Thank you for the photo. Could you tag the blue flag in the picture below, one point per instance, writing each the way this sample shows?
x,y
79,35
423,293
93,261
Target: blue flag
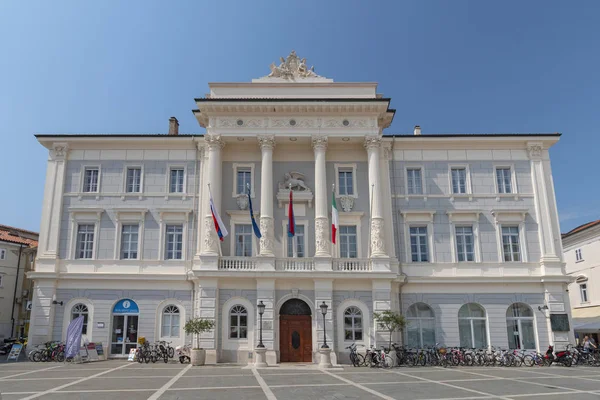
x,y
254,226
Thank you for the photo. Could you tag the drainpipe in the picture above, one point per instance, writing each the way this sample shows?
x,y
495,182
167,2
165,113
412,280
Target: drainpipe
x,y
12,311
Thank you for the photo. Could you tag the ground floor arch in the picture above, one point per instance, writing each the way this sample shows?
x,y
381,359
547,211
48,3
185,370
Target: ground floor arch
x,y
295,331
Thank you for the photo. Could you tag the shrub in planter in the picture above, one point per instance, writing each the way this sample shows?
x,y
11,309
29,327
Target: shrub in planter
x,y
197,326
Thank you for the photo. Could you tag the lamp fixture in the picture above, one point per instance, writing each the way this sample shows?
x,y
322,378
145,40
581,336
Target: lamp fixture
x,y
542,308
241,139
56,302
345,139
293,139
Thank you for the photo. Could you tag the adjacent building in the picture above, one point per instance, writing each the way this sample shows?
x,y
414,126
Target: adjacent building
x,y
582,256
459,233
18,249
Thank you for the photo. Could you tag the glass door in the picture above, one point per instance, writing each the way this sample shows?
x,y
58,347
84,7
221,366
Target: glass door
x,y
124,334
116,345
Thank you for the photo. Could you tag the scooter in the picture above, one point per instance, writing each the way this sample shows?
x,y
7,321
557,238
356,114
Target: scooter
x,y
183,353
562,357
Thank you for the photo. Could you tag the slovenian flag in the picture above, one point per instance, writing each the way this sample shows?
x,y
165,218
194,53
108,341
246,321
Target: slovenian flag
x,y
219,225
334,218
291,219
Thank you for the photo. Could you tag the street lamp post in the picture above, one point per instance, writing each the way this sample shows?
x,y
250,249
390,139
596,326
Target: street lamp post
x,y
260,350
324,312
261,311
325,361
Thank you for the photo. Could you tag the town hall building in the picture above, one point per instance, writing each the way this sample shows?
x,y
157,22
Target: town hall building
x,y
459,233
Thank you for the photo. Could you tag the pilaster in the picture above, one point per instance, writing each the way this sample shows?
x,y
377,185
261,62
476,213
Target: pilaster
x,y
202,197
265,292
52,207
207,300
42,312
382,301
324,293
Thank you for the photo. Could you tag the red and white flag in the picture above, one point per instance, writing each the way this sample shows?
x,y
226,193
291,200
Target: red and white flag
x,y
335,225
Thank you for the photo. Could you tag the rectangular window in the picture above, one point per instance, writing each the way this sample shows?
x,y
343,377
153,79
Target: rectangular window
x,y
464,243
244,175
243,240
510,243
504,180
299,239
129,242
414,181
418,244
348,242
578,255
459,180
134,180
176,180
2,254
90,180
346,183
1,276
85,241
174,242
583,291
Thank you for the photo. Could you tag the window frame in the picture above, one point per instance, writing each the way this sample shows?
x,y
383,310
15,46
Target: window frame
x,y
162,321
339,241
423,184
468,183
126,172
353,329
285,240
461,218
86,321
1,280
583,292
471,326
350,166
513,181
171,167
350,218
511,218
3,253
237,166
166,241
238,319
84,216
519,320
129,216
250,234
414,218
420,236
511,244
419,319
173,216
84,168
137,243
578,255
242,217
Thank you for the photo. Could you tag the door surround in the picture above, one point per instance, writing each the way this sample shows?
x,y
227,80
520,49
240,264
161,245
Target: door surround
x,y
307,314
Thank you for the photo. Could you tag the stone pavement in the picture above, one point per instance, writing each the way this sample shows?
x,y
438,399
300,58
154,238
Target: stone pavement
x,y
121,379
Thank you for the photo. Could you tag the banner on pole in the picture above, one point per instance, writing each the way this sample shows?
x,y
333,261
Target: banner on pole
x,y
74,337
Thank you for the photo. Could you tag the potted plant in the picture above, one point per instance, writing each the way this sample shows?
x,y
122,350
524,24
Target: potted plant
x,y
197,326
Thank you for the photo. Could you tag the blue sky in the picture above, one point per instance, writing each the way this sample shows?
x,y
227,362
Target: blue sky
x,y
449,66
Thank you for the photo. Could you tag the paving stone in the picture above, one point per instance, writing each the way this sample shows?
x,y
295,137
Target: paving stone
x,y
215,381
323,393
220,394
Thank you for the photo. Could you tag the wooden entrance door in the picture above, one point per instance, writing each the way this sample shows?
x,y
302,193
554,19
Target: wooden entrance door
x,y
295,338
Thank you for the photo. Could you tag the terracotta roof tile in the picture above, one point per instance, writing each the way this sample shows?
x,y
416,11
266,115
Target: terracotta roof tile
x,y
7,234
581,228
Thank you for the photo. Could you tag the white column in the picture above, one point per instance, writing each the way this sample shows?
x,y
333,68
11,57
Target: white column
x,y
373,144
202,196
546,212
52,207
214,144
267,143
322,242
207,301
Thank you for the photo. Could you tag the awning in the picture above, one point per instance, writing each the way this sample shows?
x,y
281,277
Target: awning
x,y
586,319
586,312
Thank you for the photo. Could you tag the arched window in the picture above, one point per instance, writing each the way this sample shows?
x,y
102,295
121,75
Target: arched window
x,y
420,330
519,323
79,310
472,326
353,326
238,322
170,321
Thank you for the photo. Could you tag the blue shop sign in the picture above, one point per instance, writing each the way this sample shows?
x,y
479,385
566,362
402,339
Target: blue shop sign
x,y
126,306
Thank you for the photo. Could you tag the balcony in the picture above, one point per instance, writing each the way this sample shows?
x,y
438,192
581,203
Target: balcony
x,y
344,265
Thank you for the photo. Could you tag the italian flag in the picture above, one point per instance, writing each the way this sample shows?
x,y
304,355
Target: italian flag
x,y
334,219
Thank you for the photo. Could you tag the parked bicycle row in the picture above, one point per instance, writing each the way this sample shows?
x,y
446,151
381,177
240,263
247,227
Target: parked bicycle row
x,y
49,351
147,352
456,356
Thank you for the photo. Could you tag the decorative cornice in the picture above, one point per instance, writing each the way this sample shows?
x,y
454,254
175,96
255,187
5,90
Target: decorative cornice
x,y
535,150
214,141
59,151
372,142
319,142
266,141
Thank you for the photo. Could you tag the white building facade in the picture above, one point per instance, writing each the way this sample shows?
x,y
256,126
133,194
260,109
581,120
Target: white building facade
x,y
582,256
459,233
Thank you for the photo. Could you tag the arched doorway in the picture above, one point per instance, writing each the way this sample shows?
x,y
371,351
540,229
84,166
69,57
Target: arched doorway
x,y
295,331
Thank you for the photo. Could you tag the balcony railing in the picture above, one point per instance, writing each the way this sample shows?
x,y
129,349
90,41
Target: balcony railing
x,y
237,263
352,264
295,264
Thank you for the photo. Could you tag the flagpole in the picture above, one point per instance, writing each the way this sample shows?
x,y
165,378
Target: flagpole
x,y
371,218
332,242
219,244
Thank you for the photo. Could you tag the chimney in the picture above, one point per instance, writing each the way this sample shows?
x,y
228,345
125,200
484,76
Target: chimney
x,y
173,126
417,130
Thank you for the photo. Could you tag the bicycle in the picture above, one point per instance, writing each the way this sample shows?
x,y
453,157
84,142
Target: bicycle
x,y
356,358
